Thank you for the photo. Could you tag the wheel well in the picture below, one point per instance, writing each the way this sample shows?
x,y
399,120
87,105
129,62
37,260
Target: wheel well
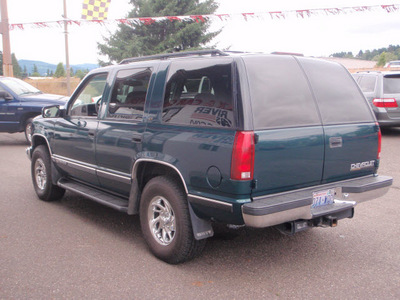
x,y
38,140
148,170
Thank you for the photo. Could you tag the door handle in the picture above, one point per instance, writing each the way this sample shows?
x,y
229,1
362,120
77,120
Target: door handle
x,y
335,142
137,138
91,134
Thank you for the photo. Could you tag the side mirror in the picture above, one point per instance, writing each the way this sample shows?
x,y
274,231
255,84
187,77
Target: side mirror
x,y
53,111
5,95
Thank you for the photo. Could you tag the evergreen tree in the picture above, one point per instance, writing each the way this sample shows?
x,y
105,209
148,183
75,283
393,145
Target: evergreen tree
x,y
1,63
25,72
35,72
60,71
16,67
160,37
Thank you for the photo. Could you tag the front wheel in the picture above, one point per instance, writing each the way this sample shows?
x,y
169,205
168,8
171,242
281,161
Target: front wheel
x,y
41,176
165,222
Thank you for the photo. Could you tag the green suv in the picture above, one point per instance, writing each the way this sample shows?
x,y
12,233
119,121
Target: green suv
x,y
189,139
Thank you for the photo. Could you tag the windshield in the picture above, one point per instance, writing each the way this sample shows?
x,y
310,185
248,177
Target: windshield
x,y
391,84
20,87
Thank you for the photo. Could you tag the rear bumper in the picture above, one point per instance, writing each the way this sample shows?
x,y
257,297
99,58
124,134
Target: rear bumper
x,y
285,207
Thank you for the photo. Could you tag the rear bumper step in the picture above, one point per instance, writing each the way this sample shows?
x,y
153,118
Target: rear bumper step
x,y
297,205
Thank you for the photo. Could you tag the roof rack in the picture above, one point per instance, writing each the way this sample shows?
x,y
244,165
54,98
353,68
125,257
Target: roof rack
x,y
173,55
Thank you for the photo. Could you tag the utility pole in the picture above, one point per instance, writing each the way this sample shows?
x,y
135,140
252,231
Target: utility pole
x,y
66,49
5,31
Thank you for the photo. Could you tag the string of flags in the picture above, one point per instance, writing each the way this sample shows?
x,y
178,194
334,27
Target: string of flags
x,y
95,12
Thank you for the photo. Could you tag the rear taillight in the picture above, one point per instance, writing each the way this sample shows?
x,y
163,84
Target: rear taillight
x,y
379,141
242,165
385,102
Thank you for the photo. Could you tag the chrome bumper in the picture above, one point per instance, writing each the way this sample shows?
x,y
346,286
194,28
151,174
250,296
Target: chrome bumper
x,y
29,152
290,206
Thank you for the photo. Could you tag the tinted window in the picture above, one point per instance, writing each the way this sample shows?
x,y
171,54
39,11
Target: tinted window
x,y
338,97
367,83
199,93
279,92
129,94
89,97
391,84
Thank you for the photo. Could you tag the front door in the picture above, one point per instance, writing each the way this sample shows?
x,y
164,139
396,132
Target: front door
x,y
119,135
74,136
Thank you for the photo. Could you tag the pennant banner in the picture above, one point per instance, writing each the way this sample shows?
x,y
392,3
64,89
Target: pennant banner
x,y
93,15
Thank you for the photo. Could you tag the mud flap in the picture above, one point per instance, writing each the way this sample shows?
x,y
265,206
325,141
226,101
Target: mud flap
x,y
202,229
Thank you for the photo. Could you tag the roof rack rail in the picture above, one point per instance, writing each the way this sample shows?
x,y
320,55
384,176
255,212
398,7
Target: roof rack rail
x,y
172,55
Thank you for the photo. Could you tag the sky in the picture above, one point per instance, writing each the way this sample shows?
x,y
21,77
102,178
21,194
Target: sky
x,y
313,36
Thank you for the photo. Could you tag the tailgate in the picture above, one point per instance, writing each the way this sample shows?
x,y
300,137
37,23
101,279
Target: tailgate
x,y
351,150
287,159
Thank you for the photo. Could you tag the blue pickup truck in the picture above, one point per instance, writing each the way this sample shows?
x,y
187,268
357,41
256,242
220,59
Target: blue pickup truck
x,y
20,103
188,139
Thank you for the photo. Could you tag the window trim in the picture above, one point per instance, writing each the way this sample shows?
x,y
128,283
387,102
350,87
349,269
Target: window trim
x,y
78,91
149,88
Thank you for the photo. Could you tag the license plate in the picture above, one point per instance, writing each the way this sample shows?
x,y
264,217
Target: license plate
x,y
322,198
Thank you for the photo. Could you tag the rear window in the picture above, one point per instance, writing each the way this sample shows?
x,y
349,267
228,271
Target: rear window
x,y
338,97
391,84
280,95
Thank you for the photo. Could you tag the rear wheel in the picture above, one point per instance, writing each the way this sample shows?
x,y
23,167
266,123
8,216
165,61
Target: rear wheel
x,y
165,222
41,176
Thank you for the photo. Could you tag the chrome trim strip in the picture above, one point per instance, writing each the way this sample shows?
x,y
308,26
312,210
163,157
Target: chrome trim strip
x,y
74,164
109,175
211,202
45,138
138,161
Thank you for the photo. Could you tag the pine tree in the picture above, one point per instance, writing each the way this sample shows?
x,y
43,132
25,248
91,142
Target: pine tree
x,y
16,66
160,37
35,72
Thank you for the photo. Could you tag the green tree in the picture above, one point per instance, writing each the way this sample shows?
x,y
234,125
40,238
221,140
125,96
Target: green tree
x,y
80,74
381,60
1,63
35,72
16,67
60,71
159,37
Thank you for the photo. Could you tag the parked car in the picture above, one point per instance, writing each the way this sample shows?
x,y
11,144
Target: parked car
x,y
393,64
188,139
20,102
382,90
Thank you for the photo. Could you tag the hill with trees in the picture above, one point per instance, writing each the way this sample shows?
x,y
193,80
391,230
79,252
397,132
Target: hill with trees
x,y
381,55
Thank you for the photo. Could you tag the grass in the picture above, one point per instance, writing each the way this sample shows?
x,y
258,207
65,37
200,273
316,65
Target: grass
x,y
54,85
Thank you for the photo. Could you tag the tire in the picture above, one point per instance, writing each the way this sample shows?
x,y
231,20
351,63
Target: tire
x,y
28,130
41,176
165,222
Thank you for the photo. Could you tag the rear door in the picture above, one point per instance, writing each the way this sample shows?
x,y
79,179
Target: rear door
x,y
351,134
289,151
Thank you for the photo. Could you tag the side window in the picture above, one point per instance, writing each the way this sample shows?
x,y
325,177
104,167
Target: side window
x,y
129,94
89,98
199,93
